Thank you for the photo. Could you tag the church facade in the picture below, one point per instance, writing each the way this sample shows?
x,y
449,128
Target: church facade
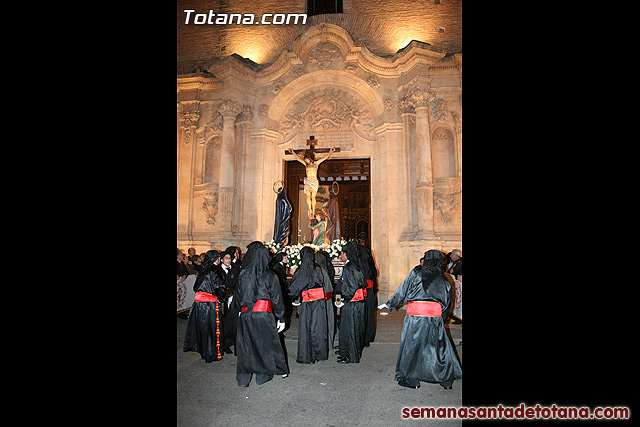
x,y
403,112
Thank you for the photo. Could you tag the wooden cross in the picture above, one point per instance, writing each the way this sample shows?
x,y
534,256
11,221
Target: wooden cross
x,y
312,142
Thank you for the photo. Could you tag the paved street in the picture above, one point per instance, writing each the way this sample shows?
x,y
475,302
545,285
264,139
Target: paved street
x,y
322,394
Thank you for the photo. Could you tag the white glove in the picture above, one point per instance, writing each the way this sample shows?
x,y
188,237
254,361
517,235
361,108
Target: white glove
x,y
383,305
229,301
280,326
341,304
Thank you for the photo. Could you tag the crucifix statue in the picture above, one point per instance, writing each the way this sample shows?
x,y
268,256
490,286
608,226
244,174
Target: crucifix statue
x,y
308,159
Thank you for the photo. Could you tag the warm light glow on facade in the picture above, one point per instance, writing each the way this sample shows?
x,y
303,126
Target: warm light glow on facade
x,y
253,53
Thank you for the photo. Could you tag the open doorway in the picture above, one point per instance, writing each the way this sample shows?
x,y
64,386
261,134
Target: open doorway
x,y
353,177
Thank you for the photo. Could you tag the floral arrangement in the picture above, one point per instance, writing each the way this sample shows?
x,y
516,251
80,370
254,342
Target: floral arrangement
x,y
335,247
273,247
293,252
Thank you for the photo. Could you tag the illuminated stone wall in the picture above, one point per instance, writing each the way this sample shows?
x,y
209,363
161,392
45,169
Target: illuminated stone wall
x,y
384,26
404,112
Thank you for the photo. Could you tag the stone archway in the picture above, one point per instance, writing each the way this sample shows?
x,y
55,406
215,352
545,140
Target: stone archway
x,y
342,110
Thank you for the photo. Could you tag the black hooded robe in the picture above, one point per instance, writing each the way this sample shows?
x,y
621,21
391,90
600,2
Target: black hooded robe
x,y
204,332
352,326
282,221
257,343
231,313
370,273
312,326
426,353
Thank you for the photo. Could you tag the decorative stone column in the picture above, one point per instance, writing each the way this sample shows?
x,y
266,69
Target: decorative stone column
x,y
424,171
417,101
229,110
186,157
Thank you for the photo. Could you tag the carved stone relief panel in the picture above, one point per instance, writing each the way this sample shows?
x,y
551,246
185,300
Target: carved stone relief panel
x,y
210,206
447,200
328,109
323,56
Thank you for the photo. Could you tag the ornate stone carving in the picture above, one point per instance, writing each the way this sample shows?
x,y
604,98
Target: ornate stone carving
x,y
246,114
373,81
352,68
438,110
328,109
445,203
445,198
417,97
188,121
210,206
230,108
388,103
324,55
263,110
216,121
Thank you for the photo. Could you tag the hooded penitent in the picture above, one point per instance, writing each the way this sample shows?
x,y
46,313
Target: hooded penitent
x,y
204,332
426,353
308,282
351,249
304,273
260,303
351,286
370,273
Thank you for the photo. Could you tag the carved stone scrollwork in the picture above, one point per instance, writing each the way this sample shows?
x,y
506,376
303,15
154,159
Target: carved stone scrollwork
x,y
210,206
417,97
216,121
188,121
246,114
438,110
388,103
373,81
230,108
445,198
324,55
352,68
445,203
328,109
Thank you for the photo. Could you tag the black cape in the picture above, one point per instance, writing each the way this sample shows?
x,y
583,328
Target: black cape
x,y
426,353
283,215
312,326
352,327
231,313
370,272
257,343
324,261
205,329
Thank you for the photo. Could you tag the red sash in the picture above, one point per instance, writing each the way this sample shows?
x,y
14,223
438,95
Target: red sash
x,y
312,294
328,295
424,308
205,297
369,283
359,295
260,305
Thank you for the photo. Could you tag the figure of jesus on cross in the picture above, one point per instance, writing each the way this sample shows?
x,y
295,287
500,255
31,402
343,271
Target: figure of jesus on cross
x,y
311,183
